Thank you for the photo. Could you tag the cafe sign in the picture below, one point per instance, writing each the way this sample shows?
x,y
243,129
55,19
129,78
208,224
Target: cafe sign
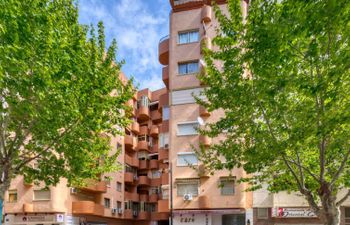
x,y
293,213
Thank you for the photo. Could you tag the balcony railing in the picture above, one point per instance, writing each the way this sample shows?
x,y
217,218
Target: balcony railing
x,y
180,2
164,38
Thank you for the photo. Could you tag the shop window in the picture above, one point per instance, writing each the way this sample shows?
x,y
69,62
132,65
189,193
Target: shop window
x,y
263,213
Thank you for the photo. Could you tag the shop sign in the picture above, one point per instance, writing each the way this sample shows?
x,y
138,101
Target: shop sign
x,y
35,218
293,213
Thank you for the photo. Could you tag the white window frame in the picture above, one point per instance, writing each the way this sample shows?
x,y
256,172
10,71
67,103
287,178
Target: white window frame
x,y
185,123
228,179
185,153
187,32
189,182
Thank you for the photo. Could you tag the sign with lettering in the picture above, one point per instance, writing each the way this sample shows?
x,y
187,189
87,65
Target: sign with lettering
x,y
293,213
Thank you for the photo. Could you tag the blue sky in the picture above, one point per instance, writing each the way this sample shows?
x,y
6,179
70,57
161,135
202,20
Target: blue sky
x,y
137,26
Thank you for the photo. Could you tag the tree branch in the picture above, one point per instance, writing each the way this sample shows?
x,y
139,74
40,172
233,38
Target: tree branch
x,y
341,168
343,199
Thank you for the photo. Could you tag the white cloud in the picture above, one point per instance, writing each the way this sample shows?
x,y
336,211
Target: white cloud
x,y
137,29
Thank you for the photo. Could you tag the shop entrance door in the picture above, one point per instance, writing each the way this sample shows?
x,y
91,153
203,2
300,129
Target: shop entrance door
x,y
233,219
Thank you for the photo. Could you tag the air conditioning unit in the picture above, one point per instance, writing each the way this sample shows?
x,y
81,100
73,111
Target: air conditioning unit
x,y
187,197
74,191
166,146
114,210
135,213
120,211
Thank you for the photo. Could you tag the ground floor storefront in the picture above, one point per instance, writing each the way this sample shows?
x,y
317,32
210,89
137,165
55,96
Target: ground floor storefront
x,y
293,216
212,217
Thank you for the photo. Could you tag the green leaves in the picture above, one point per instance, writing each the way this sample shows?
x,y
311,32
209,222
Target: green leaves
x,y
59,88
283,88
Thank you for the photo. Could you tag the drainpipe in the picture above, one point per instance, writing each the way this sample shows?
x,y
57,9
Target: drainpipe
x,y
171,194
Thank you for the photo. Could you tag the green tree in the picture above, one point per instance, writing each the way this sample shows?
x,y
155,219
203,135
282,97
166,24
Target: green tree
x,y
60,93
282,79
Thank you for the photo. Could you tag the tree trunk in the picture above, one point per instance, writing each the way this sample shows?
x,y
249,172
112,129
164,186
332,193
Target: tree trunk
x,y
332,217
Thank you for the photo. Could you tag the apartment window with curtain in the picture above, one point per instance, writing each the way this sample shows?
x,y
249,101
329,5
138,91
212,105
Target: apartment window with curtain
x,y
187,186
186,159
188,128
165,113
119,186
107,203
42,195
186,37
144,101
12,196
188,67
227,185
119,205
163,140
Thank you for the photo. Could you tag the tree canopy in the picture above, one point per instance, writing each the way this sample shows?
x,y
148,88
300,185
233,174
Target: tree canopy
x,y
60,92
282,78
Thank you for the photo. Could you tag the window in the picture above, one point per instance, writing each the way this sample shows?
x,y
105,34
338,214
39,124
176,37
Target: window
x,y
107,202
188,67
12,196
186,96
263,213
163,140
144,101
189,128
165,192
186,158
154,190
119,205
187,186
188,37
42,195
142,155
156,174
227,186
143,138
165,113
119,186
107,180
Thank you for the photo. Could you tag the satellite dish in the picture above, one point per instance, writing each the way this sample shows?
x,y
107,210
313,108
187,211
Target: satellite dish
x,y
200,121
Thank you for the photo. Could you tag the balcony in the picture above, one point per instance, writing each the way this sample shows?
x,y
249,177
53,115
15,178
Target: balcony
x,y
142,146
143,164
154,130
164,127
143,113
204,202
129,178
129,141
143,130
130,196
165,76
131,161
204,140
203,112
135,127
144,181
163,50
156,116
143,215
181,5
158,216
156,182
163,154
206,14
143,197
154,148
164,178
153,164
95,186
163,206
87,208
28,208
153,198
128,214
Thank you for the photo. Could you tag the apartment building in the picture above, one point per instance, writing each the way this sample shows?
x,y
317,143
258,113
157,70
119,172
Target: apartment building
x,y
196,197
137,194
